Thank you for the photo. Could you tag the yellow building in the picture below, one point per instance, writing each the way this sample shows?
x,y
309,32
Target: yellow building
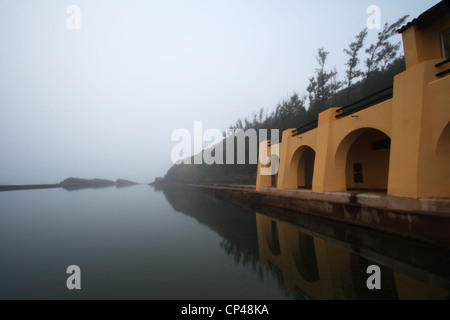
x,y
400,146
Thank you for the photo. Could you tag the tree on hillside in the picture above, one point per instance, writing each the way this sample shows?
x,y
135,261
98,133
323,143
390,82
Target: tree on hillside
x,y
382,53
335,85
387,55
353,50
321,87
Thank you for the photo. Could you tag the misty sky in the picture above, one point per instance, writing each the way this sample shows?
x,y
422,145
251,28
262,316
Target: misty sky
x,y
102,101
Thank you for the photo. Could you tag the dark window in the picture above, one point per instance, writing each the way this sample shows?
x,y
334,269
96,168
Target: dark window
x,y
357,172
381,144
445,44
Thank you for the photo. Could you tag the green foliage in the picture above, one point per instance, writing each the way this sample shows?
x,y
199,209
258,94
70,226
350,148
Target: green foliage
x,y
382,53
323,85
352,72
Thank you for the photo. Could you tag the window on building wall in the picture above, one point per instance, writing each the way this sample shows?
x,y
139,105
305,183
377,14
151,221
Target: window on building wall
x,y
445,43
357,172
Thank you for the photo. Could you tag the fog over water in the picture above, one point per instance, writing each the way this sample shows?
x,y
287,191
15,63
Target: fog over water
x,y
103,100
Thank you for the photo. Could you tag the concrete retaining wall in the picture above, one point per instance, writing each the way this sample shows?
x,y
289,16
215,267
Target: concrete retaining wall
x,y
374,211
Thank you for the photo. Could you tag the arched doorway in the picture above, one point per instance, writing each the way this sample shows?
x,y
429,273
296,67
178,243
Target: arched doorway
x,y
437,181
368,161
303,162
363,156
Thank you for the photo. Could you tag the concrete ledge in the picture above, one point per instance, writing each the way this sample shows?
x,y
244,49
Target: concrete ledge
x,y
426,220
375,200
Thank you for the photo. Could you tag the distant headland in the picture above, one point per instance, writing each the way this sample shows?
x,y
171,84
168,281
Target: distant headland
x,y
73,184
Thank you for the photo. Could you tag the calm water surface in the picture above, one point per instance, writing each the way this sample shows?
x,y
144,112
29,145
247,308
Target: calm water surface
x,y
142,243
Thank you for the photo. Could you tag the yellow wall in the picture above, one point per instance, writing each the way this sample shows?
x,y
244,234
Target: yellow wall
x,y
434,158
416,120
263,180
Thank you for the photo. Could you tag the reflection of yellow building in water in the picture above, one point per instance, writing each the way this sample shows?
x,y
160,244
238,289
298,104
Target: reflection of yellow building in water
x,y
315,268
401,145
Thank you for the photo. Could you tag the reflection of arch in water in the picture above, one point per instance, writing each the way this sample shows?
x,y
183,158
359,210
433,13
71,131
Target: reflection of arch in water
x,y
305,258
273,240
314,267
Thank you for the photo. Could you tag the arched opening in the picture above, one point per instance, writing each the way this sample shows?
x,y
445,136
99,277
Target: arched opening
x,y
366,166
303,162
437,181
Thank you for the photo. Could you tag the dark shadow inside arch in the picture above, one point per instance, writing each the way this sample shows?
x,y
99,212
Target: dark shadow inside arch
x,y
304,158
367,160
275,160
273,181
309,158
443,144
